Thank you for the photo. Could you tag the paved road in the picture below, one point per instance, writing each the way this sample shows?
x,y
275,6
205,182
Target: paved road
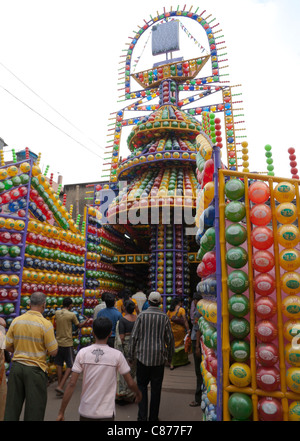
x,y
177,393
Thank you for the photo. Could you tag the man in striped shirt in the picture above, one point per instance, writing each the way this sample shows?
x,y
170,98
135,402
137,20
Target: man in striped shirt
x,y
30,337
152,344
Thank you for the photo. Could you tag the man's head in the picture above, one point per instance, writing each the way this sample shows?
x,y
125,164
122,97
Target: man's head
x,y
154,298
129,306
38,301
110,300
67,302
102,327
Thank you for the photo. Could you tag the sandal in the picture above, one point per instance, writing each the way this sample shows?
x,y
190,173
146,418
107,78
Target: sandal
x,y
195,404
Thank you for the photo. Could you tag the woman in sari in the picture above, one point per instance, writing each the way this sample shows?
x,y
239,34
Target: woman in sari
x,y
123,331
123,297
180,357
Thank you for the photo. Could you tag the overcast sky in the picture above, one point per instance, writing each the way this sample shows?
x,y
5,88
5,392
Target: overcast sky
x,y
68,53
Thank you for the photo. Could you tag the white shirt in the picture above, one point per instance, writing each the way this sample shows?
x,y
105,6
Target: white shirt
x,y
140,297
99,365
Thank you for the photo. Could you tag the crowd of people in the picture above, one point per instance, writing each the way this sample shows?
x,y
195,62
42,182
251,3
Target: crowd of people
x,y
134,340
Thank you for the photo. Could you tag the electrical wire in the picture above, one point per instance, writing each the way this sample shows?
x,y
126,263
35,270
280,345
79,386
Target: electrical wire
x,y
46,119
49,105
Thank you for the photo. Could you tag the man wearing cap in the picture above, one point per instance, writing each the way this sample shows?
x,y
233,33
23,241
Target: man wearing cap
x,y
152,344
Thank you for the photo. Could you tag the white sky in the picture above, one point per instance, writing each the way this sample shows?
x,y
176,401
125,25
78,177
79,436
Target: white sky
x,y
68,52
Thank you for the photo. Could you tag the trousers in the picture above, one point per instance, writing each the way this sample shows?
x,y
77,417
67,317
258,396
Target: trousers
x,y
153,375
29,384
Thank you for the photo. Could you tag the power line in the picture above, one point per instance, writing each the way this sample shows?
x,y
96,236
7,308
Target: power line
x,y
58,128
49,105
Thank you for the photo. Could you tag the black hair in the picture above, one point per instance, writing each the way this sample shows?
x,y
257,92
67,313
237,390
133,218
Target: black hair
x,y
67,301
129,306
103,296
174,302
109,300
102,327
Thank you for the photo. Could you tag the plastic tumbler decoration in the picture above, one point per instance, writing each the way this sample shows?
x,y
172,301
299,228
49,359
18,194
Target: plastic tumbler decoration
x,y
268,155
293,163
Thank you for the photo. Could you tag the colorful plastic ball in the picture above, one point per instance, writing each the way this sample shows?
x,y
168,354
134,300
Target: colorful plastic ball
x,y
240,406
235,211
238,281
291,307
240,350
236,257
19,225
25,167
294,411
235,234
268,378
260,215
8,308
240,374
4,279
267,354
239,327
269,409
265,307
289,259
293,379
3,173
234,189
286,213
291,329
14,251
259,192
12,170
264,284
292,353
290,282
288,235
284,192
263,261
238,305
262,237
265,331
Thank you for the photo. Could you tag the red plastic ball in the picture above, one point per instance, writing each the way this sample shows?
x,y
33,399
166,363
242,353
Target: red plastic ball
x,y
264,284
260,214
269,409
265,307
265,331
268,378
267,354
263,261
259,192
262,237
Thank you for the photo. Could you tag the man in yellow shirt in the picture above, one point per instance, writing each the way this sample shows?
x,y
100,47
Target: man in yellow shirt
x,y
30,337
64,318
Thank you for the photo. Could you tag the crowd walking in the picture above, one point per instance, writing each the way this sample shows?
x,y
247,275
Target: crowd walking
x,y
130,351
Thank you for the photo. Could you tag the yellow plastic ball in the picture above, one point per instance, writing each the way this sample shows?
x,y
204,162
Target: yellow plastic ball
x,y
284,192
240,374
291,307
290,283
292,353
288,235
25,167
3,174
291,329
294,411
289,259
36,170
293,379
286,213
12,170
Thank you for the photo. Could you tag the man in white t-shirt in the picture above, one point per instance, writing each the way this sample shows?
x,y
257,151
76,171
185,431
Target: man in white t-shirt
x,y
99,365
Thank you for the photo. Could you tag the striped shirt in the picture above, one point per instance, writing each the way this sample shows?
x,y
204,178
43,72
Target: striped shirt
x,y
151,340
31,336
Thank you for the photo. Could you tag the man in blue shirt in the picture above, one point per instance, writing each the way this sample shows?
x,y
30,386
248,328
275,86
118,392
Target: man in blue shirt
x,y
113,314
